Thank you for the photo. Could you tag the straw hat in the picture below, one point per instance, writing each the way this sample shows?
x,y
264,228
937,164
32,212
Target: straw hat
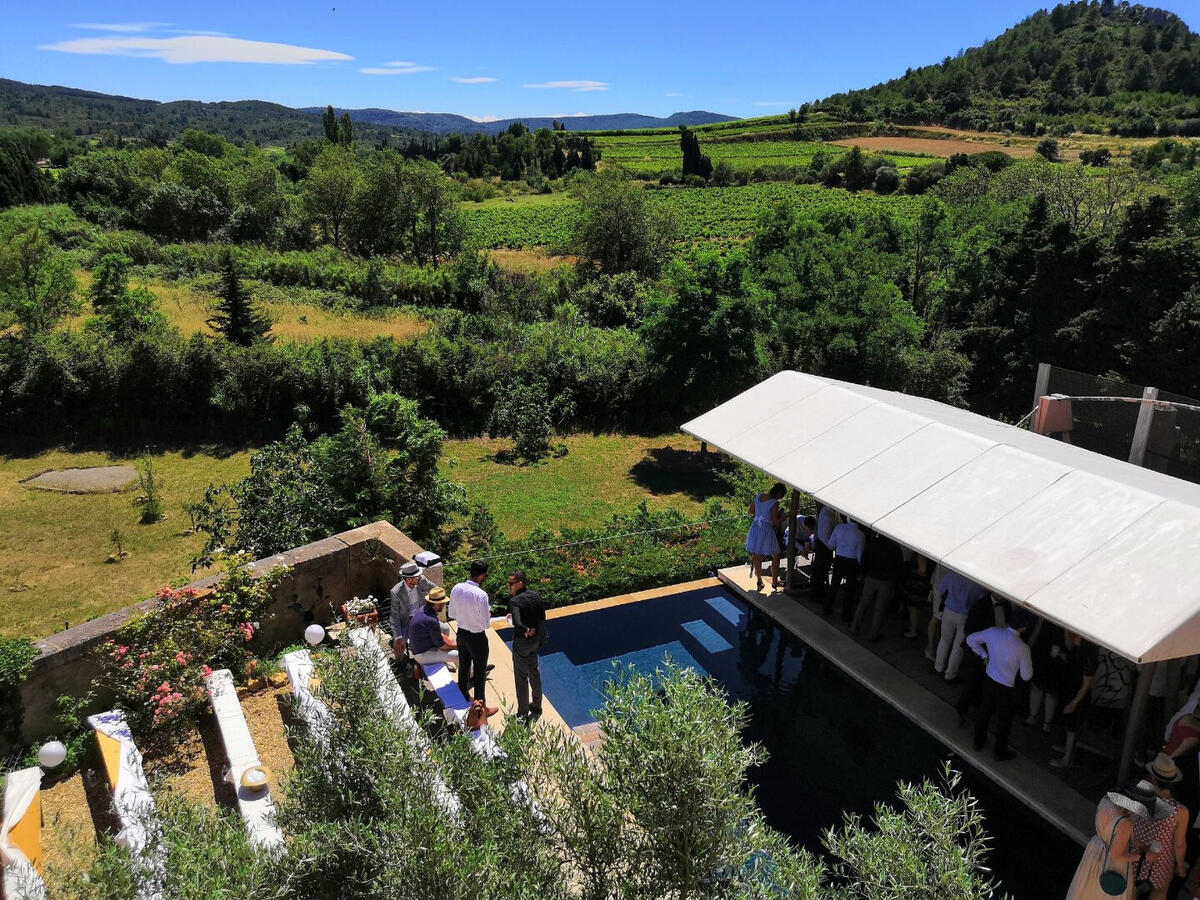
x,y
437,595
1164,770
256,778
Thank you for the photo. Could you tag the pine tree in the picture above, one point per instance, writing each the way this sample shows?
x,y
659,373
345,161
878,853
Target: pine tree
x,y
235,316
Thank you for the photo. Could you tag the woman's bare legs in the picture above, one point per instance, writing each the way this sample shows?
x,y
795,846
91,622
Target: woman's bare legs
x,y
774,572
756,562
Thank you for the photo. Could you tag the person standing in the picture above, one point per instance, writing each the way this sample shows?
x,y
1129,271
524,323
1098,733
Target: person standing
x,y
882,565
959,595
1079,660
1007,656
469,606
407,596
762,540
528,611
846,542
822,555
1169,833
1113,847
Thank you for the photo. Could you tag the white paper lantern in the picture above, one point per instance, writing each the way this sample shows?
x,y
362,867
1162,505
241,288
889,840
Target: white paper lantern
x,y
314,634
51,754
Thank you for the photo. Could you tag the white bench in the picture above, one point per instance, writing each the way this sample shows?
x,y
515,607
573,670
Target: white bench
x,y
256,806
133,803
21,835
298,666
392,698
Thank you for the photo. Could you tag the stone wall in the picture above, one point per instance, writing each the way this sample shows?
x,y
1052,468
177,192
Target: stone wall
x,y
323,574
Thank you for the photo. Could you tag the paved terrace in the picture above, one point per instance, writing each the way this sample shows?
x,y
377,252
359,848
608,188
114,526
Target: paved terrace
x,y
896,670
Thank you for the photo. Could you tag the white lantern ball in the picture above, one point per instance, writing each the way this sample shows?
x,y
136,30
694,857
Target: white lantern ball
x,y
51,754
314,634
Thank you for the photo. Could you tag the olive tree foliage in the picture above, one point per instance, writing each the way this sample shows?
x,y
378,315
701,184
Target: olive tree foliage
x,y
37,282
618,230
661,808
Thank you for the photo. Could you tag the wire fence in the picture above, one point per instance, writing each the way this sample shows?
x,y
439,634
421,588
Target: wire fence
x,y
1105,412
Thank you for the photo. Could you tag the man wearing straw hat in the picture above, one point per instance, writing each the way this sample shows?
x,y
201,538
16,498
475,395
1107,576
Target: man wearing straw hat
x,y
428,642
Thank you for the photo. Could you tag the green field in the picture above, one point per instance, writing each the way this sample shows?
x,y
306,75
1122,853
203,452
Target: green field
x,y
652,154
54,547
719,215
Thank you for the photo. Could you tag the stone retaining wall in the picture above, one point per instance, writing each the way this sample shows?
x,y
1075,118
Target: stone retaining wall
x,y
323,574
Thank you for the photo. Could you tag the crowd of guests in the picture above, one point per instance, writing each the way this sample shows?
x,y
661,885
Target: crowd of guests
x,y
419,622
999,655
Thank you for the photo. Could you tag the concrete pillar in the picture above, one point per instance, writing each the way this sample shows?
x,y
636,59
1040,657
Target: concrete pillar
x,y
1141,432
1133,726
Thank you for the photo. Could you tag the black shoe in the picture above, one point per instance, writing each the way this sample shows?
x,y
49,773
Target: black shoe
x,y
1005,754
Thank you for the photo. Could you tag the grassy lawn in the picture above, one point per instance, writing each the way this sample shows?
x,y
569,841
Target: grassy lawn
x,y
188,310
54,547
599,476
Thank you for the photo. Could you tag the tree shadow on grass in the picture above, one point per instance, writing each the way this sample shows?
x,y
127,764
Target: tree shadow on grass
x,y
667,470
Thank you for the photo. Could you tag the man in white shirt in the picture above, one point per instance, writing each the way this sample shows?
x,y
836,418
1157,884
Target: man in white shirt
x,y
470,607
1007,656
846,542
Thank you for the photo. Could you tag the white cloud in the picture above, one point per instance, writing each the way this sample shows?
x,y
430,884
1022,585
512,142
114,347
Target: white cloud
x,y
396,68
477,79
581,86
122,27
195,48
768,103
673,94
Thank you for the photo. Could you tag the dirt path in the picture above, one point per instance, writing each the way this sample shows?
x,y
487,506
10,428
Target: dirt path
x,y
934,146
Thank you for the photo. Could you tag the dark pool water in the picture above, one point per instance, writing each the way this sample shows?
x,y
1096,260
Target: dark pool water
x,y
833,745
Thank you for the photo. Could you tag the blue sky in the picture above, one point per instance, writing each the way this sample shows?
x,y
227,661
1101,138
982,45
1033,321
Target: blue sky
x,y
495,60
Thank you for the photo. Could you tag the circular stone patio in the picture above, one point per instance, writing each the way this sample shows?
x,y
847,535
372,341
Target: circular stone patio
x,y
90,480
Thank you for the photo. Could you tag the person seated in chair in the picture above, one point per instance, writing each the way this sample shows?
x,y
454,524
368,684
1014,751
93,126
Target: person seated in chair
x,y
408,595
429,638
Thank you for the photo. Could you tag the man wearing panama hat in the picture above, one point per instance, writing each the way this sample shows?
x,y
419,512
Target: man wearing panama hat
x,y
428,642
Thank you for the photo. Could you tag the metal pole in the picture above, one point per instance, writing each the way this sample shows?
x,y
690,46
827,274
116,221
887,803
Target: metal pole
x,y
1141,432
792,535
1041,387
1133,726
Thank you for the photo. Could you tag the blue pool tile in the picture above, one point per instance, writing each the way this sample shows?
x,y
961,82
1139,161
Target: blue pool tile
x,y
645,662
726,610
569,689
708,638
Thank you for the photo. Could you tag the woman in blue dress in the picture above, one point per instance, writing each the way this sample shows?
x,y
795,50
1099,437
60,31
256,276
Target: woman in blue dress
x,y
762,541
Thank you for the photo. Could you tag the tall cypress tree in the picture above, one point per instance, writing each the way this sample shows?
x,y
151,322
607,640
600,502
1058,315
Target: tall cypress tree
x,y
345,135
329,120
236,317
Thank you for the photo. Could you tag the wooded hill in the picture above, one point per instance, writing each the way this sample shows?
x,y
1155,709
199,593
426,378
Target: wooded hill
x,y
87,113
1092,66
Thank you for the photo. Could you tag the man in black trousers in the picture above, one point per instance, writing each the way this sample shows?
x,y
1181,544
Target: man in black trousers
x,y
469,606
528,611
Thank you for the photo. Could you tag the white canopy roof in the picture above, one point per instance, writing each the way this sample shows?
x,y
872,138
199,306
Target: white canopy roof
x,y
1105,548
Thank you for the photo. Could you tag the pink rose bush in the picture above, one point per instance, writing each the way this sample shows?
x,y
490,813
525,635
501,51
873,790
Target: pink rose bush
x,y
156,665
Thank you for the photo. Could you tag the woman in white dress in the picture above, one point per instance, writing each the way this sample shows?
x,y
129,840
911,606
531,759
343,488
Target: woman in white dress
x,y
762,540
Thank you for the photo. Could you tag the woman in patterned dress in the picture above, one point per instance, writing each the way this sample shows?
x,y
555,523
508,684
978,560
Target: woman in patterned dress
x,y
1169,833
762,540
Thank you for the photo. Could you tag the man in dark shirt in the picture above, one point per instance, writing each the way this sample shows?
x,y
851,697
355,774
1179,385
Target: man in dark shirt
x,y
882,564
528,612
426,640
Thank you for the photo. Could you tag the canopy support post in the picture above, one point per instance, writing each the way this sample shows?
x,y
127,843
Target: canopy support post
x,y
1141,431
1137,712
1041,385
790,584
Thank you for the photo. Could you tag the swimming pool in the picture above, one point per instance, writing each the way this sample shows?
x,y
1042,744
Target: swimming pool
x,y
834,746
